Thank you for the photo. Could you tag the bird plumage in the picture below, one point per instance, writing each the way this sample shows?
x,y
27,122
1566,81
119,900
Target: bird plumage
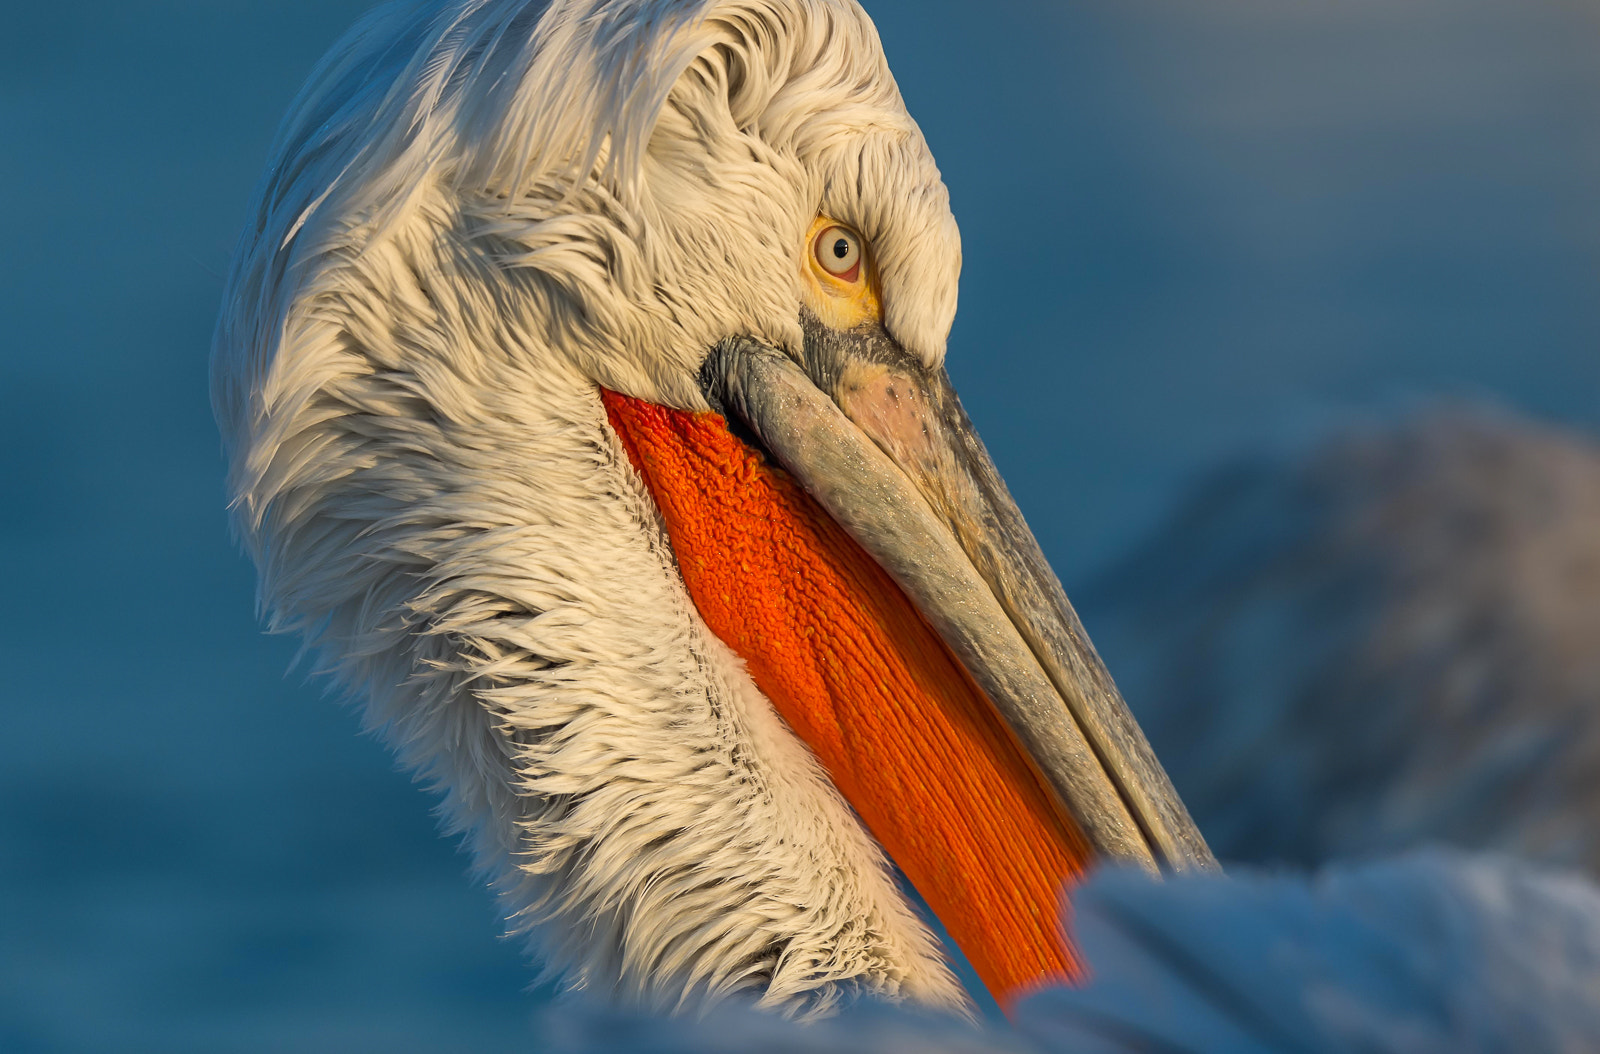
x,y
1381,639
475,214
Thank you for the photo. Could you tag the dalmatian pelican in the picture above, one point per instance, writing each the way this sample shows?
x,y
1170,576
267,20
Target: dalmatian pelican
x,y
1378,640
580,370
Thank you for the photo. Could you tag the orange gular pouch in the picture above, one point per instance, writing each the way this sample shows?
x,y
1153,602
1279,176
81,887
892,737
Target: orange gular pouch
x,y
860,676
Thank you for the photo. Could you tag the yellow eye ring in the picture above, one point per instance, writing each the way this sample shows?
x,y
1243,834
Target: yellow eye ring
x,y
838,252
838,278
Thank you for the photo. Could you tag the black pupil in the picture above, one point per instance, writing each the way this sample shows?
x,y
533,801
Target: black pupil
x,y
841,248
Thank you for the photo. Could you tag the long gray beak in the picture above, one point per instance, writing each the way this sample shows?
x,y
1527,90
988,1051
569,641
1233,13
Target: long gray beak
x,y
883,444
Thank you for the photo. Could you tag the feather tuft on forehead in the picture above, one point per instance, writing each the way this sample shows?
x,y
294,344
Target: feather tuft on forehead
x,y
516,112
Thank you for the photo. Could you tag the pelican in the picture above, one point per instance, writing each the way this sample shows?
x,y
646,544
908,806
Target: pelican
x,y
581,374
1382,640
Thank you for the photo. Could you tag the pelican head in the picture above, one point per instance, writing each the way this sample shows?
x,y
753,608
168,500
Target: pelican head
x,y
581,370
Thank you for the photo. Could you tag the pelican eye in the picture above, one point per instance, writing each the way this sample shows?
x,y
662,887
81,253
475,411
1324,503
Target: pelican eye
x,y
837,279
838,252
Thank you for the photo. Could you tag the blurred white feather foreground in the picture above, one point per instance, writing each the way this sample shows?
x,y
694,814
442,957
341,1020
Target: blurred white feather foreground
x,y
1431,952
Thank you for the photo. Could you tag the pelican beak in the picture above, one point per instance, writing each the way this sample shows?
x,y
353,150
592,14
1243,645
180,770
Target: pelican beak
x,y
883,444
1029,767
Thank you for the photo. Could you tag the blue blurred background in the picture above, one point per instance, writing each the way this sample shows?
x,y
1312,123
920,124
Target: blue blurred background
x,y
1190,227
